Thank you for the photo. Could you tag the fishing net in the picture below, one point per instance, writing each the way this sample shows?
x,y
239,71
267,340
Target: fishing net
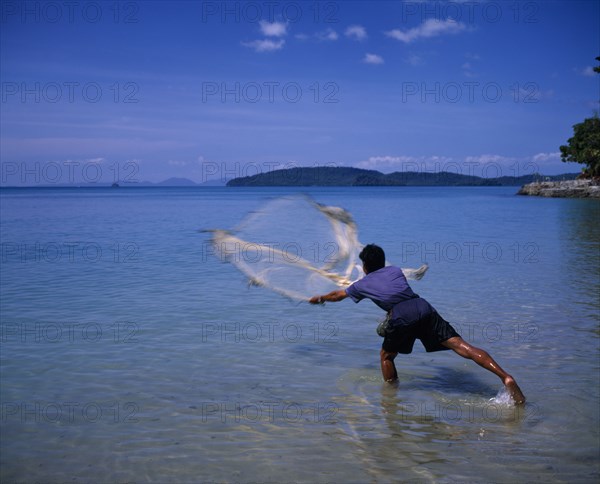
x,y
296,247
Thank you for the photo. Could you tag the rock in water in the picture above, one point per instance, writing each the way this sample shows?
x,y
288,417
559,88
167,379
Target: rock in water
x,y
564,189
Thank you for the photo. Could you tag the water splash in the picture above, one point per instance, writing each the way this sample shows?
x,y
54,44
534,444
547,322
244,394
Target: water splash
x,y
503,398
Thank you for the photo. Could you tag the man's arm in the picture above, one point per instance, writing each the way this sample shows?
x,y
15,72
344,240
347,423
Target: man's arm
x,y
333,296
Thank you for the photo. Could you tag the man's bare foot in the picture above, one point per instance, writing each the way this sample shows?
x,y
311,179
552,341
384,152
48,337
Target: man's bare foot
x,y
514,390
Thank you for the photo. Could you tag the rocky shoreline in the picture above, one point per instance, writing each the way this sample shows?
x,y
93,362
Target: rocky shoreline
x,y
586,188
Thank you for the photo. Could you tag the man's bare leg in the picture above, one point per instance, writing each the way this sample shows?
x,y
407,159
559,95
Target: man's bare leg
x,y
388,369
483,359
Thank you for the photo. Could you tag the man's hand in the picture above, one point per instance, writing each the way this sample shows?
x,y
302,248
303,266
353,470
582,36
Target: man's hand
x,y
333,296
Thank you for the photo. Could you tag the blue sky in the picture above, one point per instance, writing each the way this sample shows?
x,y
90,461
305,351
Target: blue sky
x,y
217,89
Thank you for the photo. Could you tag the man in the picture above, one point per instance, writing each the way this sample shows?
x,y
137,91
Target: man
x,y
409,318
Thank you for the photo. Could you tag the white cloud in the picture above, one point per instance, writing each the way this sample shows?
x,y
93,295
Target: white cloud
x,y
373,59
414,60
592,104
328,34
269,29
405,163
95,160
265,45
323,36
588,71
483,159
485,165
275,29
356,32
541,157
467,69
430,28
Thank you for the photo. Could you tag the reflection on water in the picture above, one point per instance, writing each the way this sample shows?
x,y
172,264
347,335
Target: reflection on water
x,y
422,431
580,237
167,368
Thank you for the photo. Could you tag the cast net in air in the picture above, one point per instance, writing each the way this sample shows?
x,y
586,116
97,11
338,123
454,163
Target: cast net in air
x,y
296,247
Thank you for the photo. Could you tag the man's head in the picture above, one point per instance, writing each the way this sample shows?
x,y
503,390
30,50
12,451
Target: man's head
x,y
372,257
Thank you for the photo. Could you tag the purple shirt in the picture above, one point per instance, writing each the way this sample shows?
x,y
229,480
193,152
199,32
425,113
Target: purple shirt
x,y
386,287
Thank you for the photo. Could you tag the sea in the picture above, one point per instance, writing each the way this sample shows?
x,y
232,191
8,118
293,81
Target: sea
x,y
130,352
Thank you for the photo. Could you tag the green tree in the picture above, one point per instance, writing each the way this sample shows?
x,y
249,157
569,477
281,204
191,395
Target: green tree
x,y
584,146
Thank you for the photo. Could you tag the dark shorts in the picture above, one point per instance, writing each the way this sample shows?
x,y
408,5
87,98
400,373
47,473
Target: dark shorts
x,y
430,328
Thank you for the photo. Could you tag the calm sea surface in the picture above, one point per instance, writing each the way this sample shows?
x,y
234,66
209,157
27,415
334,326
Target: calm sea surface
x,y
130,353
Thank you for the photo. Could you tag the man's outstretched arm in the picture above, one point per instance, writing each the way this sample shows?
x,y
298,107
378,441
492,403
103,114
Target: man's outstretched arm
x,y
333,296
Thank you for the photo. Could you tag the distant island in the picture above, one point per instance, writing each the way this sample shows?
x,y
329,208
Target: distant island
x,y
564,185
343,176
169,182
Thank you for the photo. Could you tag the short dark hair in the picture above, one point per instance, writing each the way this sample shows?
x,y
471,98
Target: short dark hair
x,y
373,257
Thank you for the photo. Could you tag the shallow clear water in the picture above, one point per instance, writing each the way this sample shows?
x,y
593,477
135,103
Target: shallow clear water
x,y
130,353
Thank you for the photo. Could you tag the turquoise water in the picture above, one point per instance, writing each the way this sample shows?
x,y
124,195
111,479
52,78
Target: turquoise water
x,y
130,353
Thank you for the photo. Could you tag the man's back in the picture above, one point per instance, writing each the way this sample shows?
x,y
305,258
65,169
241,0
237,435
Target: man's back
x,y
386,287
